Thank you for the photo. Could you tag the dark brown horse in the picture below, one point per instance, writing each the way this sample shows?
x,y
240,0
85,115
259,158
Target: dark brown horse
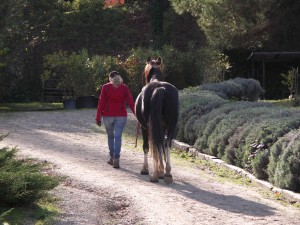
x,y
157,110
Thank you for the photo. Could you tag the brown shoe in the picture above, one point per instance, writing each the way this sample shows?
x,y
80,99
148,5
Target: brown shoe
x,y
110,161
116,163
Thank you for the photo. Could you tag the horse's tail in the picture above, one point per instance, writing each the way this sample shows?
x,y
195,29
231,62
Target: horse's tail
x,y
156,131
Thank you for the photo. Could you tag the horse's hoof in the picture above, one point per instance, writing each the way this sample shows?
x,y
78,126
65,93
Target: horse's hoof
x,y
153,180
168,179
145,172
161,177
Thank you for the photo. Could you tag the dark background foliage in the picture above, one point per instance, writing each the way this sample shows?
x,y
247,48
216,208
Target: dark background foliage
x,y
30,30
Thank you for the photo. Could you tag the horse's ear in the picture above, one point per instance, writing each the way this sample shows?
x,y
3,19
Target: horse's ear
x,y
148,59
159,60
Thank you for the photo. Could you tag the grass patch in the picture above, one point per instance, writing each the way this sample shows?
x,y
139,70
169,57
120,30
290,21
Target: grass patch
x,y
30,106
221,174
287,103
208,168
44,212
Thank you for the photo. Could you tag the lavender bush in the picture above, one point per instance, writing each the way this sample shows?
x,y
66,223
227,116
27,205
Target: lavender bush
x,y
257,136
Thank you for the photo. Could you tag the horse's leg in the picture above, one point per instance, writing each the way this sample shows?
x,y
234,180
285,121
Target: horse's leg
x,y
161,160
168,177
161,168
145,170
155,175
171,134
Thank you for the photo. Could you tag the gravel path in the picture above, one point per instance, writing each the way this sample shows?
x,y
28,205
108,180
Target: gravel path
x,y
94,193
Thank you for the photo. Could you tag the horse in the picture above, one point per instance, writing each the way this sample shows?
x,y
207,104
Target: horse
x,y
157,110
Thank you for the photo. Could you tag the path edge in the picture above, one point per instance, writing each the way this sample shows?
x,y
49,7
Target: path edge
x,y
290,195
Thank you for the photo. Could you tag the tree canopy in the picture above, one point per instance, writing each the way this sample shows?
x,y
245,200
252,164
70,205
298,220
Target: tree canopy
x,y
29,30
251,24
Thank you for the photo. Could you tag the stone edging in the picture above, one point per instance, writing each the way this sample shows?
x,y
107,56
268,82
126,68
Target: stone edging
x,y
291,196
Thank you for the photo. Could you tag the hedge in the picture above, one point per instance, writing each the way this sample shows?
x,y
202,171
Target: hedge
x,y
257,136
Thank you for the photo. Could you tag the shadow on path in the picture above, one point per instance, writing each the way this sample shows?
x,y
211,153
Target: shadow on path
x,y
229,203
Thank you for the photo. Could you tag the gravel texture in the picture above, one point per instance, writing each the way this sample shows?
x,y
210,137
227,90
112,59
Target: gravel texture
x,y
94,193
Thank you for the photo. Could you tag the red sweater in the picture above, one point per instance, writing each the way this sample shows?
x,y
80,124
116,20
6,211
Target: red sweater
x,y
113,101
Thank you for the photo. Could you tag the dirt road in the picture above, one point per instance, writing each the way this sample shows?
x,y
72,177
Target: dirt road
x,y
95,193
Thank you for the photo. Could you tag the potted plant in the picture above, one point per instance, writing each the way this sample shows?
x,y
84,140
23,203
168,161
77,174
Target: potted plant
x,y
82,75
69,102
66,86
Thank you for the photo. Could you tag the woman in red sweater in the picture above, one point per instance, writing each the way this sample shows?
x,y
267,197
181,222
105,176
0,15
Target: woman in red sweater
x,y
112,104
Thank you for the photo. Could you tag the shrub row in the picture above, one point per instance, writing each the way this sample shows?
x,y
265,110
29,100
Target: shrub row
x,y
237,89
199,100
193,104
284,166
257,136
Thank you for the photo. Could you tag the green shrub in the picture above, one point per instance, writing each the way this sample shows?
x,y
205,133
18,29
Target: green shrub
x,y
237,146
284,166
75,72
260,133
21,181
103,65
193,104
265,134
237,113
239,132
83,74
135,64
252,90
236,89
181,69
191,96
190,118
218,140
226,89
260,163
243,133
80,74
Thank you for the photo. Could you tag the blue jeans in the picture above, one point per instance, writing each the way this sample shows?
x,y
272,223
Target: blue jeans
x,y
114,128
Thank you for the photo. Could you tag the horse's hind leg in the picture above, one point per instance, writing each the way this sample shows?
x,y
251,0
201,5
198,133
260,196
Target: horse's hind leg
x,y
161,168
168,177
168,144
155,175
145,169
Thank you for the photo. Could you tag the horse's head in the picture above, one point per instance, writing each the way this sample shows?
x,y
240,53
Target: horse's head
x,y
153,62
152,70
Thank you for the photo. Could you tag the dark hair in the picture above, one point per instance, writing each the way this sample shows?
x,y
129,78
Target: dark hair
x,y
113,73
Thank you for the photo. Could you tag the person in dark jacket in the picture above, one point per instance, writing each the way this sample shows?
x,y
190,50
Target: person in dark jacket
x,y
114,98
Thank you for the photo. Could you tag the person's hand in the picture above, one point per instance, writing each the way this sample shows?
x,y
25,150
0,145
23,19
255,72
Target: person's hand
x,y
98,123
